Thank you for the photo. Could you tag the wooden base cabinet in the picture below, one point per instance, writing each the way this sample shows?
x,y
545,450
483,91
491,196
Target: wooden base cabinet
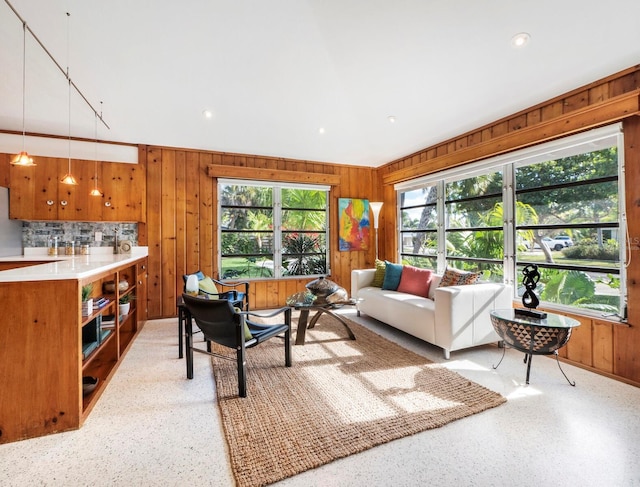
x,y
47,348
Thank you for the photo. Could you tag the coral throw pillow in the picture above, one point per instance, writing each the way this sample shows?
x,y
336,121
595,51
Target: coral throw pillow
x,y
415,281
455,277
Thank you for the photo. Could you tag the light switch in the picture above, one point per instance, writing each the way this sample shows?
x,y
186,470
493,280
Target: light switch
x,y
98,236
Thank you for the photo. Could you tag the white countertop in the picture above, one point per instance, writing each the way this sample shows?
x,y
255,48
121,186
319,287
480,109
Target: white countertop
x,y
67,267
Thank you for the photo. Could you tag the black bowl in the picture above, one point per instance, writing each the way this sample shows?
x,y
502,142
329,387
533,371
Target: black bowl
x,y
89,384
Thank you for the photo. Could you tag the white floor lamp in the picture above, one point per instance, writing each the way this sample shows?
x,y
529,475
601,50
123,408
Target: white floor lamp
x,y
376,206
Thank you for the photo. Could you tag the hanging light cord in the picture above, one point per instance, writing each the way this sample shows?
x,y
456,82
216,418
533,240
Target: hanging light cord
x,y
69,79
66,74
24,84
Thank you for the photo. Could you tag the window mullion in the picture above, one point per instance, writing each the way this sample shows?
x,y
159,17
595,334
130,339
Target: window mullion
x,y
509,222
277,232
442,238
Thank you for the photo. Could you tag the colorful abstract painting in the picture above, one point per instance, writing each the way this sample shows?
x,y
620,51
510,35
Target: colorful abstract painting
x,y
354,224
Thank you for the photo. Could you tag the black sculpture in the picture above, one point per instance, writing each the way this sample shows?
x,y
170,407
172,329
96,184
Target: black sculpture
x,y
529,298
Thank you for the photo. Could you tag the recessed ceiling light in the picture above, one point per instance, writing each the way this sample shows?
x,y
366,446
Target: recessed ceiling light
x,y
207,114
321,130
391,119
520,40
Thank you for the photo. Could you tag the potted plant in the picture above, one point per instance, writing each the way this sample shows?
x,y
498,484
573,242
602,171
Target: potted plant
x,y
124,304
87,300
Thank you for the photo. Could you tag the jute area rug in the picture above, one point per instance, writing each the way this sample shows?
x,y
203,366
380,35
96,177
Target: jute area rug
x,y
340,397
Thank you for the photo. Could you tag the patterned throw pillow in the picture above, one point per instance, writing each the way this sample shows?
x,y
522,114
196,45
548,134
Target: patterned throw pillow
x,y
455,277
378,277
392,275
415,281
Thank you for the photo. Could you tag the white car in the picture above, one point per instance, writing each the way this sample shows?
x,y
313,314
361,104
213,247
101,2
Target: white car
x,y
558,243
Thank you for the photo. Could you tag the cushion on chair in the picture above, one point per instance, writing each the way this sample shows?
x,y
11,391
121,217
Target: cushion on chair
x,y
392,275
247,332
208,288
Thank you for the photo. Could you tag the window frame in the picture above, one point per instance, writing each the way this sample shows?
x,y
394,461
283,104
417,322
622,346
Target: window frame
x,y
600,138
278,232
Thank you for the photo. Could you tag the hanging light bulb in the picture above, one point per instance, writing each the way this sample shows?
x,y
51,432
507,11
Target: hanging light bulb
x,y
95,191
23,158
68,178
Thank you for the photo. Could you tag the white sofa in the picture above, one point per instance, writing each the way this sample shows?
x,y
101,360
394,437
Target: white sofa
x,y
452,318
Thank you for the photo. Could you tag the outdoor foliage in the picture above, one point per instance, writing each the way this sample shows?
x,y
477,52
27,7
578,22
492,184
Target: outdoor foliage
x,y
303,255
571,196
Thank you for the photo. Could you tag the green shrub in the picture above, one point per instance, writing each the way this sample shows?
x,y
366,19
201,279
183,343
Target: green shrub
x,y
590,250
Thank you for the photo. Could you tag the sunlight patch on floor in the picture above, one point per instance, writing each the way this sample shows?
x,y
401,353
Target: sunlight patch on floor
x,y
465,365
522,391
397,389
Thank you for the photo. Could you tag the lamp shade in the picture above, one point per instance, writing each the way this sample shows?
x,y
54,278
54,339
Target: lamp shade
x,y
23,159
376,206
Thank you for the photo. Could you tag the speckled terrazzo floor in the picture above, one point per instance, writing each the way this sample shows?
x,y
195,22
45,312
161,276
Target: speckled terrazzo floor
x,y
152,427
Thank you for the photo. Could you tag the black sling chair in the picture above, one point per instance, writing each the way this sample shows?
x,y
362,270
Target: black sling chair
x,y
221,323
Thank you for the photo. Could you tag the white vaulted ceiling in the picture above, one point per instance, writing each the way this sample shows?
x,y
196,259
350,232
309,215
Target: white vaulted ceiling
x,y
274,73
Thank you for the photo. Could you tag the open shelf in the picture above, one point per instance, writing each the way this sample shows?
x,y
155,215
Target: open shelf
x,y
108,332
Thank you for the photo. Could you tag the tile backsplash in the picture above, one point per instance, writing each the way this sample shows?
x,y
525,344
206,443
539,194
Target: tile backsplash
x,y
37,234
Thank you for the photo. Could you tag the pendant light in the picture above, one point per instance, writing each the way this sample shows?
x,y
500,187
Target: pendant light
x,y
68,178
95,191
23,159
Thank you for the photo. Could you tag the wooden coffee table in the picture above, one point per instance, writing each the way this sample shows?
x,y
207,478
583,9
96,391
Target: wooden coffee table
x,y
320,309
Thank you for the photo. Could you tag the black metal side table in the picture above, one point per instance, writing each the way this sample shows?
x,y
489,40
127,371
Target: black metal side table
x,y
533,336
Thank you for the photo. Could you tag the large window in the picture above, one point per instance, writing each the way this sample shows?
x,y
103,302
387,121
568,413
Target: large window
x,y
269,230
473,224
558,206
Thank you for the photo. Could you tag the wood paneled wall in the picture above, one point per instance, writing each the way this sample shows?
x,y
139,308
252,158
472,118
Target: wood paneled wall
x,y
181,223
599,103
604,346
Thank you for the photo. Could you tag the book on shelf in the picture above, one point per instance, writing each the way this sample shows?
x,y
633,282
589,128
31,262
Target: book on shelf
x,y
108,321
87,348
104,334
101,302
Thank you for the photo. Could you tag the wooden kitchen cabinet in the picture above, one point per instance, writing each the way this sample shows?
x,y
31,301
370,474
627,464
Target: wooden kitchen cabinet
x,y
123,186
51,346
36,193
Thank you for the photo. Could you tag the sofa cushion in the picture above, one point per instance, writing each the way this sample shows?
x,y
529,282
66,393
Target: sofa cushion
x,y
415,281
378,277
392,275
455,277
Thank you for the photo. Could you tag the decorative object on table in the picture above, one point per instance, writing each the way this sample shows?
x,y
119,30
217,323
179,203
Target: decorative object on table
x,y
376,206
529,298
354,224
301,298
326,291
87,300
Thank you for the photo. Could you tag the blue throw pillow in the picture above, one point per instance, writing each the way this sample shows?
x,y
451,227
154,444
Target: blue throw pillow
x,y
392,275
